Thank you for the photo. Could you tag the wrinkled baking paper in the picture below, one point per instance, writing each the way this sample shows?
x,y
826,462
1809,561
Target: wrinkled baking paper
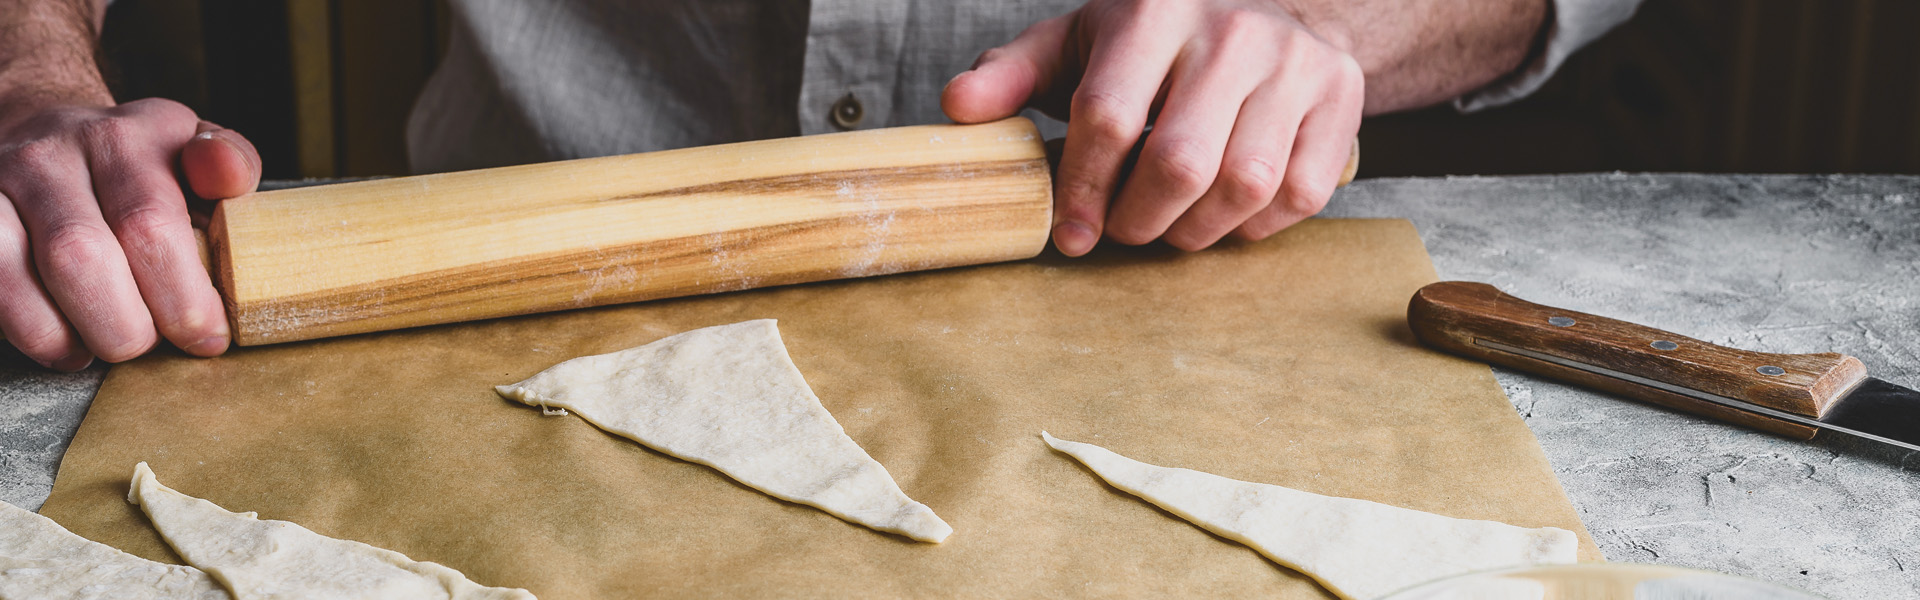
x,y
1287,361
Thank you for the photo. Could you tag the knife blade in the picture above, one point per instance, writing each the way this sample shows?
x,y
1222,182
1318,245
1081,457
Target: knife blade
x,y
1796,395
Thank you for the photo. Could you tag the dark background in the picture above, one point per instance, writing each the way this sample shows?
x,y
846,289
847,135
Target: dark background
x,y
323,88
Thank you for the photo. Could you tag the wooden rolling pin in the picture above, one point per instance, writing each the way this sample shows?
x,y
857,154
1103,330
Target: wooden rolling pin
x,y
388,254
393,253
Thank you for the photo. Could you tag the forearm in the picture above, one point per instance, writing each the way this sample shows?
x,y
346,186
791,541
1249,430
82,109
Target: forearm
x,y
47,55
1421,52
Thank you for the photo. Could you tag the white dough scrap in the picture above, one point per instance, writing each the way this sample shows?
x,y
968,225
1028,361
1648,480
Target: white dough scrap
x,y
730,397
1358,549
259,559
40,559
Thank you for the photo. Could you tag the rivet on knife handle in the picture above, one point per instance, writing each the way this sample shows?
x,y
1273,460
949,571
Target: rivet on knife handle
x,y
1479,321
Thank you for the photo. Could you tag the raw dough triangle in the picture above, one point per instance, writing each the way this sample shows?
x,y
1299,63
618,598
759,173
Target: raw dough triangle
x,y
730,398
1356,548
277,559
41,559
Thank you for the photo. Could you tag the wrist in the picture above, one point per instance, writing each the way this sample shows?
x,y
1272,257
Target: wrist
x,y
1322,20
47,58
27,89
21,102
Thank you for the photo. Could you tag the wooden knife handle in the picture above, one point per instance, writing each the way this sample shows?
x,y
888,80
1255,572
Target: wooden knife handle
x,y
1479,321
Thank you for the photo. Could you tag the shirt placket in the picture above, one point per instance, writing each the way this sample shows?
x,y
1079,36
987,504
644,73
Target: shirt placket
x,y
853,49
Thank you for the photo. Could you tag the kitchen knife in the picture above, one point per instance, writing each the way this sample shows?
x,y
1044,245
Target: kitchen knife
x,y
1796,395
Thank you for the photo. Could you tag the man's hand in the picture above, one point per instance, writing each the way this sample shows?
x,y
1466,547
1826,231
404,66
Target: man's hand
x,y
97,254
1254,103
1253,117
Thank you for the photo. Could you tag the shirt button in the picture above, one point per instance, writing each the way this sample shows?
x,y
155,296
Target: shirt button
x,y
847,112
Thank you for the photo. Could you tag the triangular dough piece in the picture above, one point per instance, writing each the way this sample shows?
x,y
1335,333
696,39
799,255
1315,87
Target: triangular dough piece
x,y
730,398
40,559
279,560
1358,549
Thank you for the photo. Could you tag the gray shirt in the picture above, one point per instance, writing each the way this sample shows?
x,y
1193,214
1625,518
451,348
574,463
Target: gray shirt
x,y
538,80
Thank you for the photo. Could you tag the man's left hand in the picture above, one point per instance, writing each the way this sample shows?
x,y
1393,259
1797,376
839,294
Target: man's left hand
x,y
1253,116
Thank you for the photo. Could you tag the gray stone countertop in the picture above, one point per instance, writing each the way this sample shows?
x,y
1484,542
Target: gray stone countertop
x,y
1768,263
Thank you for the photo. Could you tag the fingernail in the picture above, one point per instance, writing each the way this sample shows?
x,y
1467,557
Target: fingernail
x,y
209,346
253,162
956,77
204,135
1073,238
44,363
73,362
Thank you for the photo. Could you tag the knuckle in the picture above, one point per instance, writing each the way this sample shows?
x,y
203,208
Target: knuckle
x,y
1349,69
1302,45
1241,25
198,322
1252,183
1108,116
148,225
1082,195
1305,198
75,248
32,155
1084,201
1303,53
1184,165
1346,80
111,132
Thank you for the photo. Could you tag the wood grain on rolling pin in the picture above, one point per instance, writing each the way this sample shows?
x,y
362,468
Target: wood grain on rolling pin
x,y
387,254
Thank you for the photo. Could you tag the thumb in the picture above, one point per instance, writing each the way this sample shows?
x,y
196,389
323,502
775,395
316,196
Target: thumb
x,y
1006,79
219,163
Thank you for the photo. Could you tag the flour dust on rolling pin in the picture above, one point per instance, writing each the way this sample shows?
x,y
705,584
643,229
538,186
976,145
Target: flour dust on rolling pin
x,y
517,240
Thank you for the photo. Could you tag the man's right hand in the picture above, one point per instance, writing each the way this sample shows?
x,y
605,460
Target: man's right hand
x,y
97,254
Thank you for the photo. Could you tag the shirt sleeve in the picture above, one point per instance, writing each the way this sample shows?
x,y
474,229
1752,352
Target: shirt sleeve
x,y
1576,23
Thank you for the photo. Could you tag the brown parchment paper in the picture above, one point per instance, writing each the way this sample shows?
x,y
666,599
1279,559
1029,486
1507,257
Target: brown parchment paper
x,y
1286,362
